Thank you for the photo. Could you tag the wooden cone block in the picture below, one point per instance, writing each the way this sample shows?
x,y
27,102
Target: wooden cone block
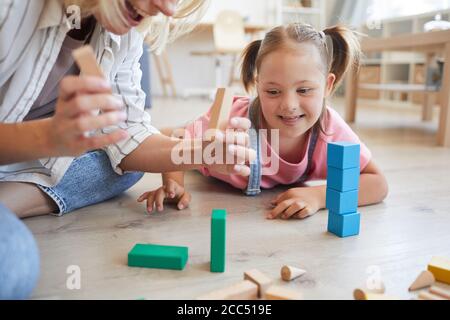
x,y
289,273
425,279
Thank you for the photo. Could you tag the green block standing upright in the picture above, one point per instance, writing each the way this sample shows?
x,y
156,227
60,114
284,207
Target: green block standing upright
x,y
218,240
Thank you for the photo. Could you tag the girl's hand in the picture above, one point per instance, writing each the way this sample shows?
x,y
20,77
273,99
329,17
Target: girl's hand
x,y
172,191
298,203
78,98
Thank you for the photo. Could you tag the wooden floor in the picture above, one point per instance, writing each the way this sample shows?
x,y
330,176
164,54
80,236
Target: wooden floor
x,y
398,236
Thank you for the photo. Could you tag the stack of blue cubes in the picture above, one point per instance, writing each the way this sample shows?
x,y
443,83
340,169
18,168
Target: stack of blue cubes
x,y
342,188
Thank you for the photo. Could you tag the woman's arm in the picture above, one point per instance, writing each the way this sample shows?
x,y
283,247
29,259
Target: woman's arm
x,y
160,153
154,155
24,141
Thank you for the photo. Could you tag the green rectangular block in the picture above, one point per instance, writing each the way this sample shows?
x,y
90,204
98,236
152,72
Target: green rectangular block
x,y
218,240
158,256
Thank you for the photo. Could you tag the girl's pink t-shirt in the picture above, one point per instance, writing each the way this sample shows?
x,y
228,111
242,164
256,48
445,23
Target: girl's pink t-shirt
x,y
286,173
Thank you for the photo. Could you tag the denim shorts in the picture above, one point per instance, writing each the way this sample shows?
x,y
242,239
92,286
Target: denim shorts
x,y
90,179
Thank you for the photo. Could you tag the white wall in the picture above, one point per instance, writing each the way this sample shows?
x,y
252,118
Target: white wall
x,y
254,11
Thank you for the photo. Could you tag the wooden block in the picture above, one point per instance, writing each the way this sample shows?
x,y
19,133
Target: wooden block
x,y
343,180
425,295
221,108
425,279
157,256
244,290
342,202
86,61
218,240
360,294
289,273
440,267
282,293
260,279
343,155
344,225
440,292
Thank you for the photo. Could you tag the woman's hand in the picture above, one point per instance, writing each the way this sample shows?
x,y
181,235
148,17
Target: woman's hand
x,y
79,98
172,192
298,203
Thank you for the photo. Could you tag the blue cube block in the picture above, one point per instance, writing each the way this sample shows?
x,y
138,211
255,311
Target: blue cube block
x,y
343,179
346,225
343,155
342,202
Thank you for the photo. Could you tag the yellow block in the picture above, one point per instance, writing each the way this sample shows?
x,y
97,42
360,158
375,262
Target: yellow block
x,y
440,268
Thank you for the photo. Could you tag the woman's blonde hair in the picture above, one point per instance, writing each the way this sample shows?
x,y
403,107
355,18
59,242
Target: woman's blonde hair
x,y
338,46
157,30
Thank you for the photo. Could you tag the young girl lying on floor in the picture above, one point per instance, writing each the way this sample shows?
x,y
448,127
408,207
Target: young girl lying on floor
x,y
295,68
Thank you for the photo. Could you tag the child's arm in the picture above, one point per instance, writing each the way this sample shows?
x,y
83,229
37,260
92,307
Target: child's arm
x,y
302,202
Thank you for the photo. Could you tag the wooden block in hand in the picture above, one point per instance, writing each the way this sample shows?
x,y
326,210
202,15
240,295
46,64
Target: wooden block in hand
x,y
260,279
244,290
220,111
86,61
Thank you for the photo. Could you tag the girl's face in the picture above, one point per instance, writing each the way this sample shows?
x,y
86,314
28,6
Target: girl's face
x,y
292,86
123,15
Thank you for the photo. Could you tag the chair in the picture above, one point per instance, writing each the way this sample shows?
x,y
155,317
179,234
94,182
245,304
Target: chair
x,y
229,40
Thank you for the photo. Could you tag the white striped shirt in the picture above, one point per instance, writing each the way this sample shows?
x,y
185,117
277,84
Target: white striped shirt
x,y
31,36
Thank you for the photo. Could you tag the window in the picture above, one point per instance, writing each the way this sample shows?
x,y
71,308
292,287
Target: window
x,y
384,9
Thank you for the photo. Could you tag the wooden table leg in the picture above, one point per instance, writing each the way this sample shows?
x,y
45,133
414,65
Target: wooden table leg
x,y
444,117
351,95
428,97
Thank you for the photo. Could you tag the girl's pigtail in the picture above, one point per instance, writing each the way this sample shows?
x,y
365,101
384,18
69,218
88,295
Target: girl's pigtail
x,y
346,51
248,68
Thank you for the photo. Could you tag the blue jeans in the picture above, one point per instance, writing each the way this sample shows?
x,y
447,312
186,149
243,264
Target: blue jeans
x,y
19,258
90,179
